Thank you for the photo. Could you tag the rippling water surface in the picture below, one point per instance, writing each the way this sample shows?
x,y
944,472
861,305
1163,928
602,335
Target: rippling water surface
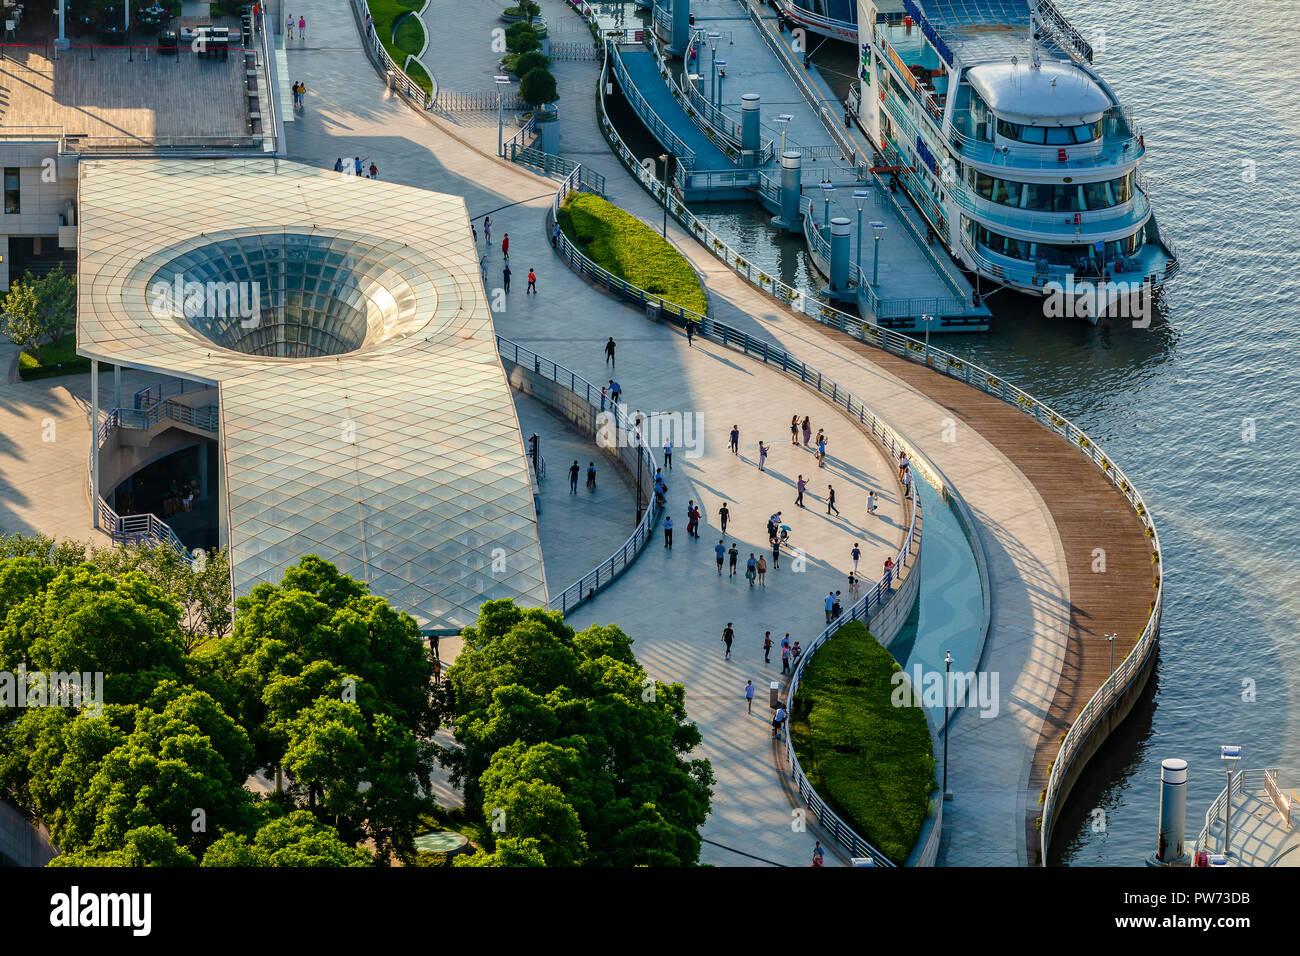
x,y
1213,89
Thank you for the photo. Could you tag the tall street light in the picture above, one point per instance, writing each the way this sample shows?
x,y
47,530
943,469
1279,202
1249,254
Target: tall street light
x,y
828,190
664,158
927,321
713,38
947,669
784,119
1230,757
722,75
501,82
877,230
859,199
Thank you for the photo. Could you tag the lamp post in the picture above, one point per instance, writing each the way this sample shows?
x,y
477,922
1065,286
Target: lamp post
x,y
713,38
722,75
859,199
947,669
827,190
501,82
1230,757
927,321
877,230
784,119
663,158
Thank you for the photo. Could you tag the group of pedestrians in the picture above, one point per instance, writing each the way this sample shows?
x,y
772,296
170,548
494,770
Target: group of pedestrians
x,y
575,470
290,23
299,90
357,167
505,257
790,651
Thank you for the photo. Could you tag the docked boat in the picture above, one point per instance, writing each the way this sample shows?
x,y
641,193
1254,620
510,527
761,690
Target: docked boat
x,y
1017,152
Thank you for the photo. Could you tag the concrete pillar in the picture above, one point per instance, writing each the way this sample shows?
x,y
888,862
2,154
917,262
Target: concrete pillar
x,y
203,471
791,190
840,254
117,386
749,115
1173,813
549,133
681,38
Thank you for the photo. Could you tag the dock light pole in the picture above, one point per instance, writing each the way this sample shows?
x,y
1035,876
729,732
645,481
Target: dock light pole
x,y
877,230
501,82
1230,757
784,119
947,669
713,38
663,158
859,199
927,321
827,189
722,75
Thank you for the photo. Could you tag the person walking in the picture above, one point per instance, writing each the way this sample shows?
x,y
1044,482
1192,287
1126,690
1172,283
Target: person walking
x,y
830,603
871,502
749,696
806,425
794,430
615,391
751,569
692,518
854,581
302,28
889,573
735,440
724,514
668,532
907,484
609,353
721,552
776,553
762,456
505,275
802,485
728,635
374,170
795,653
437,671
732,554
785,658
856,553
762,571
819,854
574,471
690,333
532,283
836,609
555,236
288,29
778,721
830,501
903,464
356,166
591,476
505,246
487,228
767,647
668,451
821,451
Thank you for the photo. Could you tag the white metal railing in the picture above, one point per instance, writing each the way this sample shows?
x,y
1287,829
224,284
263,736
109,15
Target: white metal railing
x,y
636,454
653,121
1214,815
400,82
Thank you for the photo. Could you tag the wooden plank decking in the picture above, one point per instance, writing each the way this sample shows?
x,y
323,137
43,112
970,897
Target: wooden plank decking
x,y
1089,513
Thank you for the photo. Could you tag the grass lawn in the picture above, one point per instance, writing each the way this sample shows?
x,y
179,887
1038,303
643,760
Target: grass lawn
x,y
870,761
631,250
409,37
50,361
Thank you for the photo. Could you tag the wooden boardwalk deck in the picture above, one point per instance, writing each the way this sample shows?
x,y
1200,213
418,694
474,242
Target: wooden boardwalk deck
x,y
1089,513
114,96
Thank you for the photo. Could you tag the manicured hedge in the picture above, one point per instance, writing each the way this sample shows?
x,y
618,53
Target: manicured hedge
x,y
870,761
50,361
631,250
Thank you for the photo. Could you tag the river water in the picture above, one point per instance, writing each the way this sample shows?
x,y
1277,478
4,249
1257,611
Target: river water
x,y
1200,410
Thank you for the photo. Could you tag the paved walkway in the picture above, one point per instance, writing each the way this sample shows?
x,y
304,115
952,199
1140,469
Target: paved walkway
x,y
672,602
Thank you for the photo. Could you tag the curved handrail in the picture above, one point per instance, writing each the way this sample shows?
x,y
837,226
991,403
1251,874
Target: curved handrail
x,y
407,87
954,367
656,124
1215,813
606,571
881,593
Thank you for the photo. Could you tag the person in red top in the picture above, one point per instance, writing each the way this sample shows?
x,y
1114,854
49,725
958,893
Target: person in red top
x,y
532,282
505,245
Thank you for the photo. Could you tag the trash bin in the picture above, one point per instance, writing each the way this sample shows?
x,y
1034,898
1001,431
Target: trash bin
x,y
774,695
652,311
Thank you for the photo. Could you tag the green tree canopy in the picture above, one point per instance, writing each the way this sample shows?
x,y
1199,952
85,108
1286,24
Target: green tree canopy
x,y
521,38
296,839
538,87
143,846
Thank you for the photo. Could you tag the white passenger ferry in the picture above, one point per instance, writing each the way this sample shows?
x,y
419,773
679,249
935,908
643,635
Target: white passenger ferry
x,y
1015,150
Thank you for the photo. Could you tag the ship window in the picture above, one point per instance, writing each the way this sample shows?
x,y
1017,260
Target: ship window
x,y
1059,135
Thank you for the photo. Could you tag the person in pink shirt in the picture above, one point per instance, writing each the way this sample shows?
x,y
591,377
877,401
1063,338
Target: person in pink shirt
x,y
302,28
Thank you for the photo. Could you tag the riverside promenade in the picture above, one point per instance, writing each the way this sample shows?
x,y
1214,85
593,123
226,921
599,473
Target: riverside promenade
x,y
1043,512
